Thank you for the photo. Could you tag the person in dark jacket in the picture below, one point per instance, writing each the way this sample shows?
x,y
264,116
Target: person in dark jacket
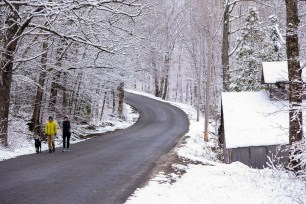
x,y
66,133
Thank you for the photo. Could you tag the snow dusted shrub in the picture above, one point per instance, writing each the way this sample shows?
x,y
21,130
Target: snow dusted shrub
x,y
293,183
303,156
298,154
275,160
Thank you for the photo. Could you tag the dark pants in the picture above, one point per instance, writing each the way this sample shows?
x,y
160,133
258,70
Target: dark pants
x,y
66,136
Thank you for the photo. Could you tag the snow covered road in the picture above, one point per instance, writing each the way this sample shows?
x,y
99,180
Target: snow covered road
x,y
104,169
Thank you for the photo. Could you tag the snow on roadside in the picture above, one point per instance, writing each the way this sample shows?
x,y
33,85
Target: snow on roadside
x,y
221,184
111,124
214,182
209,182
21,141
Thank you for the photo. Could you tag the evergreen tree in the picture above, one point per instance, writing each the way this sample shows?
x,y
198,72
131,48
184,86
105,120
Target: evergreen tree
x,y
276,50
249,54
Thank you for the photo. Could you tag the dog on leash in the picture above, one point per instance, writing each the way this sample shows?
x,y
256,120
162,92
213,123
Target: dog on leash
x,y
38,145
37,139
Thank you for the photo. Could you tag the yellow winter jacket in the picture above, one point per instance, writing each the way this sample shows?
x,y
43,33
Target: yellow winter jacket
x,y
51,128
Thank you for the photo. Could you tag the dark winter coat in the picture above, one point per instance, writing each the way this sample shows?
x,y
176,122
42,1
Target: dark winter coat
x,y
66,128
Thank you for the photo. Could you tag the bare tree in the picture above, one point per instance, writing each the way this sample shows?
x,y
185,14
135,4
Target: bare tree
x,y
15,28
295,77
225,49
64,20
41,84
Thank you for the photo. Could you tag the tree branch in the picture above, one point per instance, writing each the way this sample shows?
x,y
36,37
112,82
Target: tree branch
x,y
72,37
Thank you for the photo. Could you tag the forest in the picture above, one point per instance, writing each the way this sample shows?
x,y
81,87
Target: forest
x,y
76,57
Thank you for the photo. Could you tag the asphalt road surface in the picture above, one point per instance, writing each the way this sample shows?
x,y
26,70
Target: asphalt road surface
x,y
105,169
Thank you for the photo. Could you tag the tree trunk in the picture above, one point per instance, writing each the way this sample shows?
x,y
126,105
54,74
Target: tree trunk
x,y
114,100
103,105
65,96
75,94
41,82
120,99
9,41
295,78
53,94
165,81
161,88
156,83
5,88
55,86
225,48
187,92
6,73
166,87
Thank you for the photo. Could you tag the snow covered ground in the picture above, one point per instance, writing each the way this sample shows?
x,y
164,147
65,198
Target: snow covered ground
x,y
206,179
212,182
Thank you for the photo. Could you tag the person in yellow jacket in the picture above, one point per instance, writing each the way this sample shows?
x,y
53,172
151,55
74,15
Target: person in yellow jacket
x,y
51,132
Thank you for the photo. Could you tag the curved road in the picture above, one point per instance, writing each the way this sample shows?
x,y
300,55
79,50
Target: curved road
x,y
104,169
